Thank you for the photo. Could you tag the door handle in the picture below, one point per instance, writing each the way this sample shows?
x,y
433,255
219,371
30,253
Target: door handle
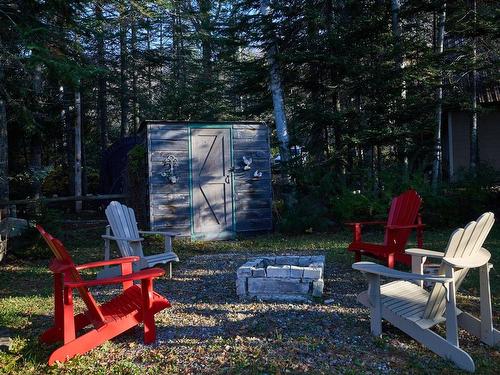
x,y
227,179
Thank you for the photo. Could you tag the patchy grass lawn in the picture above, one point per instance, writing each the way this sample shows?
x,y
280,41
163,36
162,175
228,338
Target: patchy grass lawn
x,y
208,330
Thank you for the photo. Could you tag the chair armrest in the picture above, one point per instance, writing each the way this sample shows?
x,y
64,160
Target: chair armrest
x,y
411,226
424,253
378,269
106,237
367,223
141,275
480,259
108,262
169,234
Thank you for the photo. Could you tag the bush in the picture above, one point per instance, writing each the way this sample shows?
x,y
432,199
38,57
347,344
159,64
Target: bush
x,y
21,184
324,196
30,245
56,182
353,206
306,215
136,184
462,201
92,180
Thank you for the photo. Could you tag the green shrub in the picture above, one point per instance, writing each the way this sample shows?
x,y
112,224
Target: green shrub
x,y
136,185
21,184
30,245
92,180
135,160
56,182
306,215
324,196
353,206
464,200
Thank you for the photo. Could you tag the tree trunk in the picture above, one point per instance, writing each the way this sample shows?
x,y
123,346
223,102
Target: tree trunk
x,y
175,46
206,44
474,141
69,136
83,121
78,148
4,143
395,8
36,142
177,50
396,31
437,165
335,102
36,163
135,57
399,65
148,42
101,81
64,126
275,85
338,124
124,105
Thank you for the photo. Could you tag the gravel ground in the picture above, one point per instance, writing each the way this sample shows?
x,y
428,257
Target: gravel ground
x,y
207,330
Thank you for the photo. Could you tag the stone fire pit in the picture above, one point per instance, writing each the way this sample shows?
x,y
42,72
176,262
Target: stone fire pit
x,y
281,278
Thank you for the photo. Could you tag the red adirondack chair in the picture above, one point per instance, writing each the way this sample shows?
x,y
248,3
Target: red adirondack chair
x,y
403,217
136,304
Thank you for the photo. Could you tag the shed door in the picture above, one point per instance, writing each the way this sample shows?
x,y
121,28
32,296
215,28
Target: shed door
x,y
211,181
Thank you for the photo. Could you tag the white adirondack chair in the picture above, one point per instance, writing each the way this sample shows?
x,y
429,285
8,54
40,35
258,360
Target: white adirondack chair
x,y
414,310
123,225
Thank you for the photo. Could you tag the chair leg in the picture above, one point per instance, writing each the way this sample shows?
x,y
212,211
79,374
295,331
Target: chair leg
x,y
417,266
147,313
55,333
375,304
170,270
357,256
390,260
487,332
68,330
451,317
168,244
107,246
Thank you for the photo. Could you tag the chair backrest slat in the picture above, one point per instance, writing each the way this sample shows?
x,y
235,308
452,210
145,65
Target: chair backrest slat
x,y
123,224
479,235
132,222
63,258
118,226
404,211
463,243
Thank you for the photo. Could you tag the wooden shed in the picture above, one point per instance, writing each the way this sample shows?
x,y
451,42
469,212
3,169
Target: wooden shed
x,y
209,180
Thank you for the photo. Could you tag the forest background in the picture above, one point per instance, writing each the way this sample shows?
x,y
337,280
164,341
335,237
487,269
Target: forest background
x,y
363,86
